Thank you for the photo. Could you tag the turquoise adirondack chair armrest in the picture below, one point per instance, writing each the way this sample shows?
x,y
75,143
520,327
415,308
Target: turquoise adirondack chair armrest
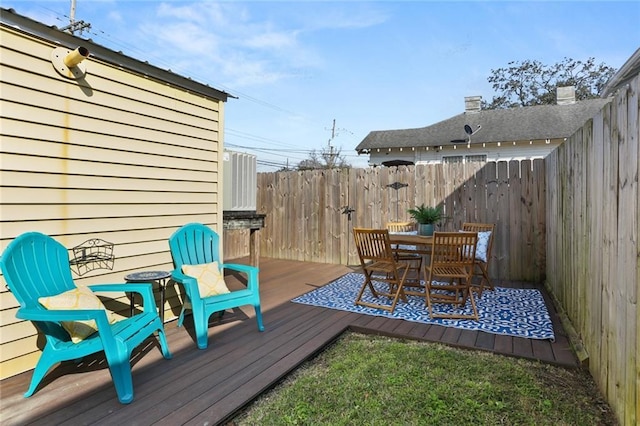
x,y
178,275
32,314
198,244
251,271
143,289
34,265
59,315
189,283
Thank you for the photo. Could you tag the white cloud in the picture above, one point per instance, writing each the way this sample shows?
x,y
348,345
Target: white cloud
x,y
340,17
249,49
204,13
272,40
115,16
183,39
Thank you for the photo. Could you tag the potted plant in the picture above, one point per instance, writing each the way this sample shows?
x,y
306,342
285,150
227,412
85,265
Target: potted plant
x,y
426,218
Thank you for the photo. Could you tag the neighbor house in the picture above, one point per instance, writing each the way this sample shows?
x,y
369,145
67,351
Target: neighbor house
x,y
478,135
108,148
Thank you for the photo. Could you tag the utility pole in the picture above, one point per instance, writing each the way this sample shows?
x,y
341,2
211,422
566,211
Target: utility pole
x,y
332,154
73,24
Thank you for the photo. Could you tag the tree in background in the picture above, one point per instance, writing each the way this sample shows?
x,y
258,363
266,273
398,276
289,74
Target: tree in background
x,y
327,158
531,82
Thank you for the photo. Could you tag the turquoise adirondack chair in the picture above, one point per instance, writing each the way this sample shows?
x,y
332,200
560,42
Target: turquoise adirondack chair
x,y
197,244
35,265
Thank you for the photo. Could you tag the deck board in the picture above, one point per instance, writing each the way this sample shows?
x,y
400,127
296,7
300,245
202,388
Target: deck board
x,y
209,386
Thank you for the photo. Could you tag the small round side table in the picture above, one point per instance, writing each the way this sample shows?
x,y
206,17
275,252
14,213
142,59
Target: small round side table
x,y
154,276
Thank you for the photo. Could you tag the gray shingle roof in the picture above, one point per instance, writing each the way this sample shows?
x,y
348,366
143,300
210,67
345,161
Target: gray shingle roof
x,y
501,125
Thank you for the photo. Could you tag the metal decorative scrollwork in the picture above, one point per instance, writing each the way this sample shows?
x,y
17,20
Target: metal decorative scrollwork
x,y
92,254
347,210
397,186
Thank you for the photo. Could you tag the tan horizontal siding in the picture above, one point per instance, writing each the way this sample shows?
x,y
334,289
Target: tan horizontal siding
x,y
158,247
117,156
60,180
14,350
117,109
136,227
45,195
8,313
174,146
22,363
104,79
103,122
15,331
124,211
35,164
7,300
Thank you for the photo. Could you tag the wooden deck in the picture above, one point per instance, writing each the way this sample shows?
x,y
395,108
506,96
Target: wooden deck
x,y
209,386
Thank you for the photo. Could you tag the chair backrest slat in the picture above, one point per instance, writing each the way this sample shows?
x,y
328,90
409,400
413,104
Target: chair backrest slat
x,y
372,244
35,265
457,248
194,244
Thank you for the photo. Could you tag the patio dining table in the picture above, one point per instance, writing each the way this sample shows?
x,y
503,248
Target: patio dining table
x,y
420,244
410,239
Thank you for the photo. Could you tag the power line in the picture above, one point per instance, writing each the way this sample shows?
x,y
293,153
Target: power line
x,y
73,24
123,44
110,40
297,151
250,136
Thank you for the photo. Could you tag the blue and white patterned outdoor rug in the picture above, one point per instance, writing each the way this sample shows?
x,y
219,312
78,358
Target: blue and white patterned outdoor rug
x,y
508,311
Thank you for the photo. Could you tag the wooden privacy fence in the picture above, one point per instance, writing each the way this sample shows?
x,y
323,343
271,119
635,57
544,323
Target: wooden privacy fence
x,y
310,214
593,253
572,219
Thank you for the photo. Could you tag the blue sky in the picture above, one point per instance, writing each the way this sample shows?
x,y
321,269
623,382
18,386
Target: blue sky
x,y
298,66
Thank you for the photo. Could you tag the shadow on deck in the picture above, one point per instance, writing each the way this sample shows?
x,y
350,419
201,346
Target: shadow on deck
x,y
210,386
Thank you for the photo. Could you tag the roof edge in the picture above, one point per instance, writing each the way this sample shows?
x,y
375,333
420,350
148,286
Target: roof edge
x,y
10,18
625,74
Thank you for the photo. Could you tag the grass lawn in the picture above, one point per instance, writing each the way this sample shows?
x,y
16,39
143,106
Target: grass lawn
x,y
372,380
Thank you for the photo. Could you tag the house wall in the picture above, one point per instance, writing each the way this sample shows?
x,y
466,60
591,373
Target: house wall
x,y
117,155
495,151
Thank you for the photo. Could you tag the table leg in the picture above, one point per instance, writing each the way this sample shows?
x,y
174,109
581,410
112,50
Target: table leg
x,y
163,286
133,302
254,247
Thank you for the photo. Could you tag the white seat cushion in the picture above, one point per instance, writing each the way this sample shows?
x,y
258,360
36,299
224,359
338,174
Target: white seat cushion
x,y
483,245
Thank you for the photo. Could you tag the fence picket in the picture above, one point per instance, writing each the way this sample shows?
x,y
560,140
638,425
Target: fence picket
x,y
305,219
571,220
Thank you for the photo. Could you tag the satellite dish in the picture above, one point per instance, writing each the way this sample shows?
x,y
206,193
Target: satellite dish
x,y
468,130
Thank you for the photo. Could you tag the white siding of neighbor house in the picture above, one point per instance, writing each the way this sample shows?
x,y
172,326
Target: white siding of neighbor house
x,y
117,156
503,151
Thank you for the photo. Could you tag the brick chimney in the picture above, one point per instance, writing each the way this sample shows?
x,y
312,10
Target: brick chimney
x,y
566,95
472,104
